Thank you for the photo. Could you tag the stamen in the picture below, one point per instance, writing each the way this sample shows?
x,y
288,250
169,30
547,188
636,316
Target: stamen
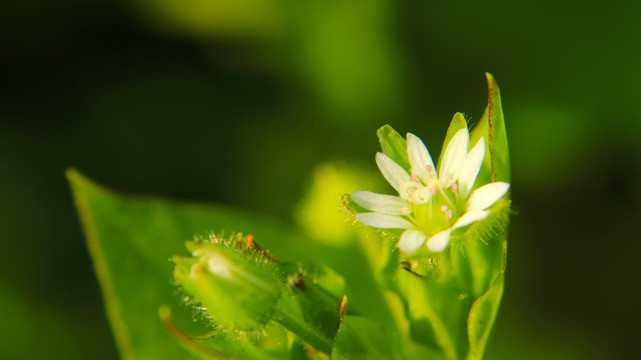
x,y
454,187
414,177
429,169
447,211
406,211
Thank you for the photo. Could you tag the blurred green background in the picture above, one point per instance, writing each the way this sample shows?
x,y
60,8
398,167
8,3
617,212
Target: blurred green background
x,y
236,102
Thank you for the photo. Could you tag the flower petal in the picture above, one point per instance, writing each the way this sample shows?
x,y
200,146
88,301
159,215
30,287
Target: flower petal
x,y
470,217
411,240
393,173
383,221
470,168
438,241
385,204
485,196
453,157
219,266
419,156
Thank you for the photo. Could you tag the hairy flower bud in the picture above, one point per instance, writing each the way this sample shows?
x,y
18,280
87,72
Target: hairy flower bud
x,y
236,286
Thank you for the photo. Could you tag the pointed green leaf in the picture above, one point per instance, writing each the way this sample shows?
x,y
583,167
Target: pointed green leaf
x,y
482,317
131,240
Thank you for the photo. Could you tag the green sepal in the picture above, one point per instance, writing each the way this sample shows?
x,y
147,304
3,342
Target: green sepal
x,y
496,166
458,122
394,146
315,289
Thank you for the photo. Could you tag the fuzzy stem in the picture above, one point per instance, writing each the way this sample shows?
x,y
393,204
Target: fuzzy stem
x,y
303,331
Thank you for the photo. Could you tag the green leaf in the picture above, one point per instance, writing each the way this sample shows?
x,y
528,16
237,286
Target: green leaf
x,y
131,240
394,146
437,312
483,315
360,338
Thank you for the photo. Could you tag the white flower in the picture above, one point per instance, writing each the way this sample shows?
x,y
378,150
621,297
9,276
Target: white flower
x,y
431,205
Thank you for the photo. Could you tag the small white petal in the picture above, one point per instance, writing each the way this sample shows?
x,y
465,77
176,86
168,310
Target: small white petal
x,y
219,266
419,156
383,221
411,240
453,157
438,241
393,173
470,168
470,217
385,204
485,196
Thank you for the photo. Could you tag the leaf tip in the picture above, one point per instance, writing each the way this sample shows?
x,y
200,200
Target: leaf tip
x,y
73,175
76,178
492,87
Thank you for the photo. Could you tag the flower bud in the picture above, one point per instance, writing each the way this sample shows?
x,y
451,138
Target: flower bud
x,y
234,285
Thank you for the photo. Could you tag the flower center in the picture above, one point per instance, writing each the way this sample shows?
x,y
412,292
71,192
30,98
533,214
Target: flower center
x,y
433,207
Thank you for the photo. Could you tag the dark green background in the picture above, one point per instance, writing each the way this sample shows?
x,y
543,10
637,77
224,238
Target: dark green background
x,y
240,111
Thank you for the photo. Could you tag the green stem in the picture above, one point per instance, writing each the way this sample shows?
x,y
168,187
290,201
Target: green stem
x,y
303,331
